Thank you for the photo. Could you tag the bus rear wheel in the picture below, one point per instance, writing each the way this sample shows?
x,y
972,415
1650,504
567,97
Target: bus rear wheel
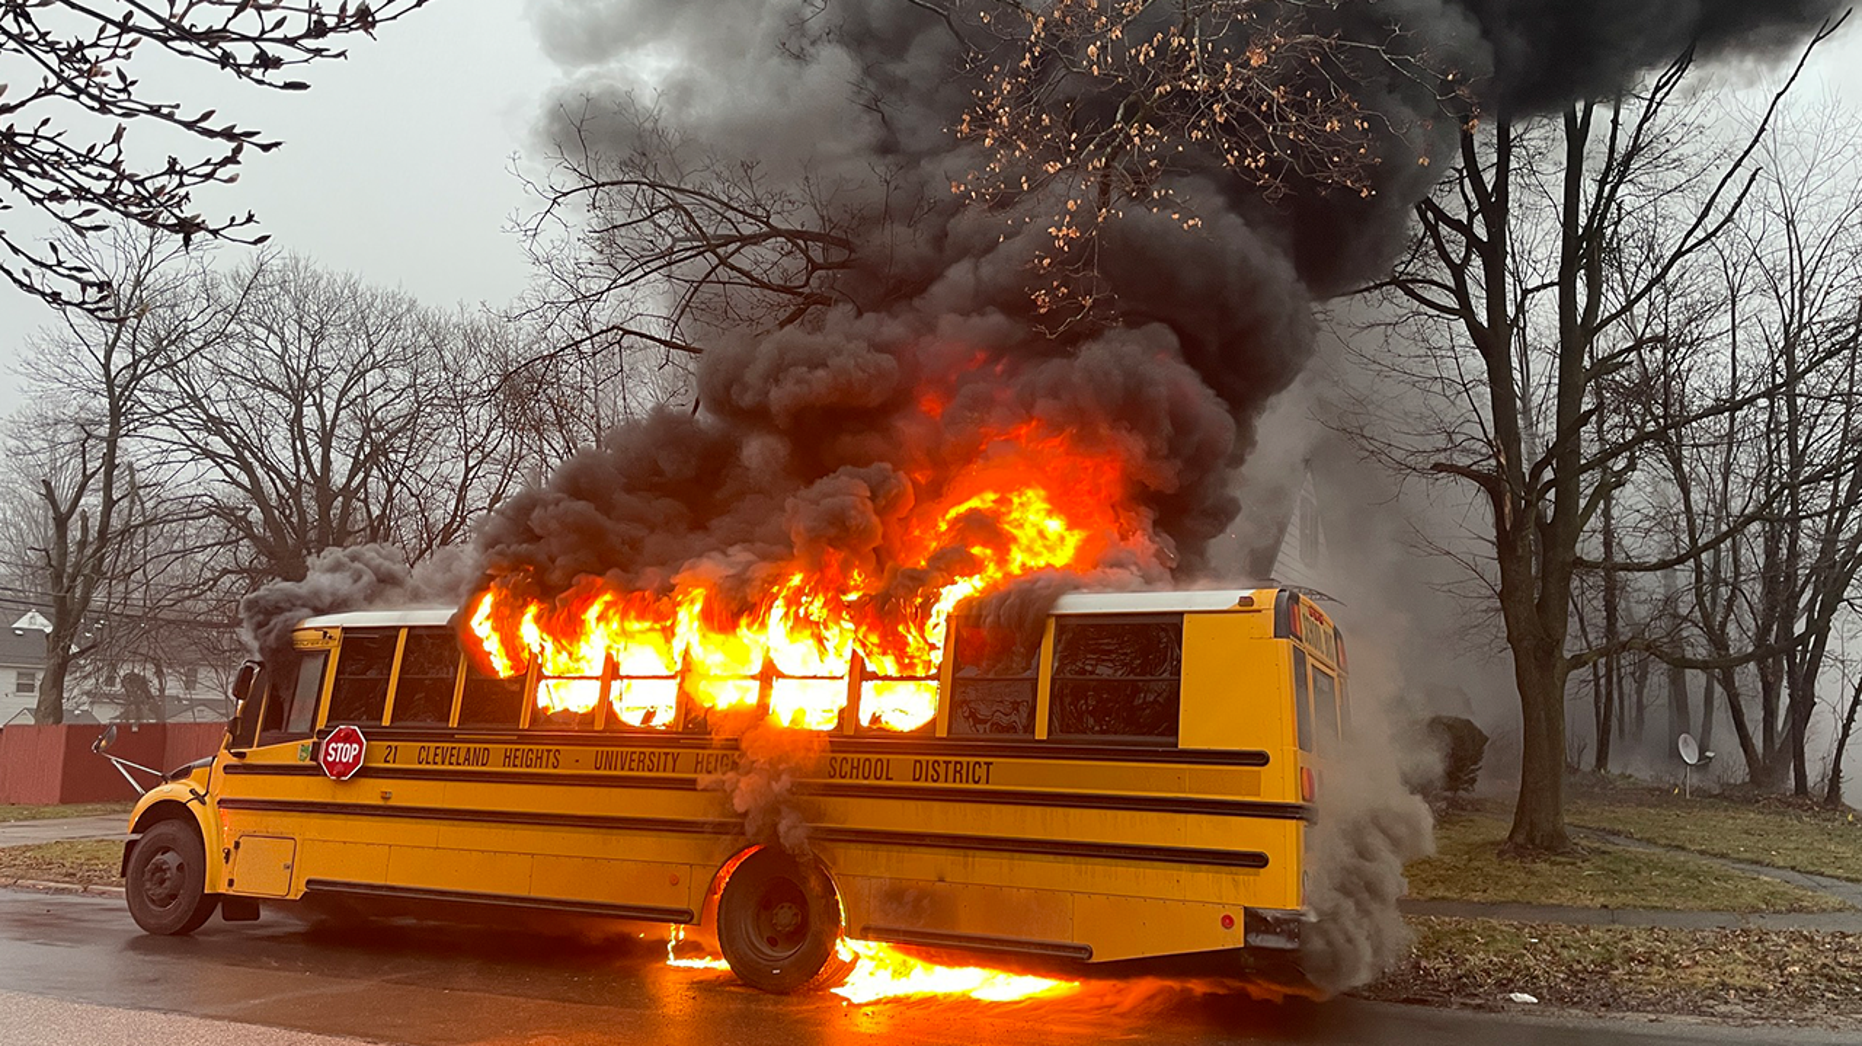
x,y
167,880
779,924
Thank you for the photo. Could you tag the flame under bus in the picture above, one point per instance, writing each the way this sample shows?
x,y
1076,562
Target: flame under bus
x,y
1134,786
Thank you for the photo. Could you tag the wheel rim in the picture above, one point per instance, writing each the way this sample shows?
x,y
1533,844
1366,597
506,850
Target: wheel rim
x,y
780,924
164,878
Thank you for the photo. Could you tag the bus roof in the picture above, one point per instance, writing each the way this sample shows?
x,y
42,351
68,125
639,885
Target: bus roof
x,y
1160,602
382,618
1071,603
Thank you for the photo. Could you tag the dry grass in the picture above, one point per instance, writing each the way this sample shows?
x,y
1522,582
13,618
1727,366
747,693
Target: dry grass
x,y
1466,867
1757,974
1774,832
11,812
88,862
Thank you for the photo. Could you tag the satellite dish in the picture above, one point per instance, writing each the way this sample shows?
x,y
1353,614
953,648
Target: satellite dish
x,y
1690,750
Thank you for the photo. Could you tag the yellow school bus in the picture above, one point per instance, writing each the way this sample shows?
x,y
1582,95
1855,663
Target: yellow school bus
x,y
1130,785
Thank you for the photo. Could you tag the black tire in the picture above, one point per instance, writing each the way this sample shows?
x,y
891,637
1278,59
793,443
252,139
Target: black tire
x,y
167,880
778,924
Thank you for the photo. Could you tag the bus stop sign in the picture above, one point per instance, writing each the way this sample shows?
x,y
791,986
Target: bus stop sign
x,y
342,752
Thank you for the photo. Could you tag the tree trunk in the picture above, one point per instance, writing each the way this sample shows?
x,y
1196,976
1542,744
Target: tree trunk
x,y
1612,665
1599,718
1678,723
1833,792
1800,770
1706,711
1639,676
1539,816
50,707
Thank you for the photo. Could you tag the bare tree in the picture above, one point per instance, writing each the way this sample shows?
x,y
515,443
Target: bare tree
x,y
98,497
1542,253
68,153
668,241
1833,788
1097,106
1793,272
330,413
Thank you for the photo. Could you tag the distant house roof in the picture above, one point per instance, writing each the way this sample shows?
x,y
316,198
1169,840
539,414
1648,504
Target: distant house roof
x,y
21,650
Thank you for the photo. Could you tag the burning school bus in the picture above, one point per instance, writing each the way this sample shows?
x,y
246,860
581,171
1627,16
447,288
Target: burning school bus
x,y
1132,780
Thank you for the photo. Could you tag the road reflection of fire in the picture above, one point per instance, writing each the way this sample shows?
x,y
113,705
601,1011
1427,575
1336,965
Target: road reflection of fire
x,y
884,972
881,972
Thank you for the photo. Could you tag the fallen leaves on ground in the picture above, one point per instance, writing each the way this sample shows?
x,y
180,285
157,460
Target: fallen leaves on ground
x,y
1755,974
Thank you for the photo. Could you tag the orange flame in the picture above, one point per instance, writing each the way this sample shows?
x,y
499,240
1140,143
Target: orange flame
x,y
812,637
883,972
696,962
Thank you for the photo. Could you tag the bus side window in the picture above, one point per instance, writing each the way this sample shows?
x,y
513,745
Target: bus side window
x,y
292,688
363,667
567,702
1302,703
423,692
1325,704
252,710
994,682
488,701
302,721
1117,678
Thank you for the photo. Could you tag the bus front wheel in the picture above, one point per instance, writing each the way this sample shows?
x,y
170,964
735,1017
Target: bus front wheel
x,y
779,924
167,880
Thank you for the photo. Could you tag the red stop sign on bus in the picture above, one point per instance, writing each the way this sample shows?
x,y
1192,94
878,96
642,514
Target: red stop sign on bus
x,y
342,752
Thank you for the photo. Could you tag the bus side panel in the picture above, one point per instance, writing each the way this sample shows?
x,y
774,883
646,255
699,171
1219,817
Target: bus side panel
x,y
1235,687
874,906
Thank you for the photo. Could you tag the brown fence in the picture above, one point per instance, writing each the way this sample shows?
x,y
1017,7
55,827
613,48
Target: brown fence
x,y
55,764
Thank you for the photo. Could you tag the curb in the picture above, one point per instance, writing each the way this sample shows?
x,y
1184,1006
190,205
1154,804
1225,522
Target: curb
x,y
74,889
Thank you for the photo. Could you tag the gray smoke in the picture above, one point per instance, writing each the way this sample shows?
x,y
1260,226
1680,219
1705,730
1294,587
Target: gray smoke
x,y
1367,828
771,762
355,578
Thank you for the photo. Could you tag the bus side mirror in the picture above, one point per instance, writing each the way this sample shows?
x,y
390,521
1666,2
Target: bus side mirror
x,y
104,740
242,683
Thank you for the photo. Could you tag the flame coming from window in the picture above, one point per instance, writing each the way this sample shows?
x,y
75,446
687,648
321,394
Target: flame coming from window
x,y
839,628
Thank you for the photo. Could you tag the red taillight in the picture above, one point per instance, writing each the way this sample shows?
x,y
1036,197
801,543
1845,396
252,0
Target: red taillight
x,y
1308,784
1228,921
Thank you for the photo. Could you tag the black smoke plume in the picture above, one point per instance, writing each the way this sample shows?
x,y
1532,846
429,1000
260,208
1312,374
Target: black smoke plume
x,y
808,441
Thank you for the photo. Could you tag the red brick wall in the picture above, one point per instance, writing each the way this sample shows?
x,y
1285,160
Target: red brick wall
x,y
55,764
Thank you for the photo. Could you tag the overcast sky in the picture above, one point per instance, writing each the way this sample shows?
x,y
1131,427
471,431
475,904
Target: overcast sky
x,y
396,165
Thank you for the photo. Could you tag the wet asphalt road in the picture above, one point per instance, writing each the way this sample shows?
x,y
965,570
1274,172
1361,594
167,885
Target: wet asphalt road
x,y
436,985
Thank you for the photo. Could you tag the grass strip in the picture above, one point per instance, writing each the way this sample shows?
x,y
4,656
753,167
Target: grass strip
x,y
1775,833
14,812
88,862
1467,867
